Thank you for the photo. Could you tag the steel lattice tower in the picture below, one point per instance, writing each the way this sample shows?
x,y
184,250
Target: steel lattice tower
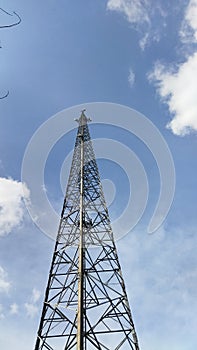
x,y
86,305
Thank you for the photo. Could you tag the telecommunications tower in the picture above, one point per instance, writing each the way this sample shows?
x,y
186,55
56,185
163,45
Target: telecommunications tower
x,y
86,306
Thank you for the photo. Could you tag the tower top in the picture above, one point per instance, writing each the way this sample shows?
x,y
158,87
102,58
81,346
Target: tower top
x,y
83,120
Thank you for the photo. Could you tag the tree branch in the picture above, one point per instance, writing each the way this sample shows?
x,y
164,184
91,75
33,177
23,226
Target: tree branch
x,y
10,14
4,96
9,26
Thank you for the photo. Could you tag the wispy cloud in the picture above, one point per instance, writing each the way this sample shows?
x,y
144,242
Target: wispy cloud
x,y
31,306
5,284
143,41
131,77
188,31
12,194
2,316
143,16
14,309
177,86
135,11
35,295
31,309
160,273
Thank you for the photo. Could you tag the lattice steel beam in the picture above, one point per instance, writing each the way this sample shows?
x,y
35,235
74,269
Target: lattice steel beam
x,y
86,306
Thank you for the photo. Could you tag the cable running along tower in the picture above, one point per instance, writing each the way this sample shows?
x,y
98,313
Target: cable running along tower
x,y
86,305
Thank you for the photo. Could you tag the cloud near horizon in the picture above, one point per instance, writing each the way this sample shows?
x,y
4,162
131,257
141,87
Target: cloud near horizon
x,y
162,284
12,209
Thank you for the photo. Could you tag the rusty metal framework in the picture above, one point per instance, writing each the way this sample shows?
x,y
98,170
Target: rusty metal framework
x,y
86,306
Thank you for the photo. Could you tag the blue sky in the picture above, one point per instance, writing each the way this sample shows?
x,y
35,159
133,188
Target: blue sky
x,y
134,53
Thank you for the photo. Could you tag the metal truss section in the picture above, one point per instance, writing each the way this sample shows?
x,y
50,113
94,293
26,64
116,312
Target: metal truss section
x,y
86,305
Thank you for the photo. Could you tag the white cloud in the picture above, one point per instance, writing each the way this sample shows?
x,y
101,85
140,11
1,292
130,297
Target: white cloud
x,y
44,188
35,295
134,10
179,91
178,88
144,16
131,77
20,337
12,194
4,283
143,42
2,316
162,285
14,309
31,309
188,30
